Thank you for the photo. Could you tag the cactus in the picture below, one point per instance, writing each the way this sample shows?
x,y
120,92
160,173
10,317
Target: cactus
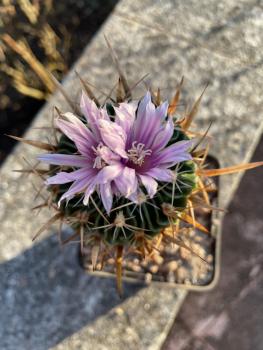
x,y
135,216
147,215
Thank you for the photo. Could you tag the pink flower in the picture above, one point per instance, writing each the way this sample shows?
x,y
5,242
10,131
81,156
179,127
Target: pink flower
x,y
121,156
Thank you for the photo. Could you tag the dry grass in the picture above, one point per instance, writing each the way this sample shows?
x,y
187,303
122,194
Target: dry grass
x,y
26,21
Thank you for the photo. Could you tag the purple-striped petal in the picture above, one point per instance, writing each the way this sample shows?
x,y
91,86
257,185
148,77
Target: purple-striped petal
x,y
125,115
160,174
106,196
77,187
174,154
114,137
149,120
80,127
127,182
150,127
141,113
108,156
164,136
63,177
92,114
89,190
150,184
64,159
161,111
142,107
78,132
59,179
145,121
176,159
158,125
108,173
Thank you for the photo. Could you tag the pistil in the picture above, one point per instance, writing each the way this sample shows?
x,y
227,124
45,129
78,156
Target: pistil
x,y
137,153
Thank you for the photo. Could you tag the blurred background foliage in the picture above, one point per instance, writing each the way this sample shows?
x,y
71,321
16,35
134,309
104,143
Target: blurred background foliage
x,y
36,36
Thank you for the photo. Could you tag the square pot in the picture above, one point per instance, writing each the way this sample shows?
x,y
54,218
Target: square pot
x,y
173,266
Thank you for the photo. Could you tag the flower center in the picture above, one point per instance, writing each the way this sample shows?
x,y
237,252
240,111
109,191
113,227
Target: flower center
x,y
137,153
98,161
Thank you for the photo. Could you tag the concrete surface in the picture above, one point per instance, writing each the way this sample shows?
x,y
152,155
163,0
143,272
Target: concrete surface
x,y
45,300
231,316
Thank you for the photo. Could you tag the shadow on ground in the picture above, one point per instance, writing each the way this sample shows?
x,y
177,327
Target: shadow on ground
x,y
46,297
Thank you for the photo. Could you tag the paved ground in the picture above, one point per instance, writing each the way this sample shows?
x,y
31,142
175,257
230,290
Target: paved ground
x,y
231,316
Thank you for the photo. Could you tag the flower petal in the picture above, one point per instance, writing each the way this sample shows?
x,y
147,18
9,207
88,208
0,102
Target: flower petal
x,y
92,114
142,106
108,156
164,136
63,177
64,159
156,125
114,137
149,121
145,121
77,187
125,115
150,184
160,174
173,154
59,179
108,173
161,111
89,190
106,196
79,126
127,182
151,126
78,132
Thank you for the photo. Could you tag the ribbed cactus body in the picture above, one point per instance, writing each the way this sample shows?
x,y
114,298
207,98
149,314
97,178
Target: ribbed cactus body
x,y
148,216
